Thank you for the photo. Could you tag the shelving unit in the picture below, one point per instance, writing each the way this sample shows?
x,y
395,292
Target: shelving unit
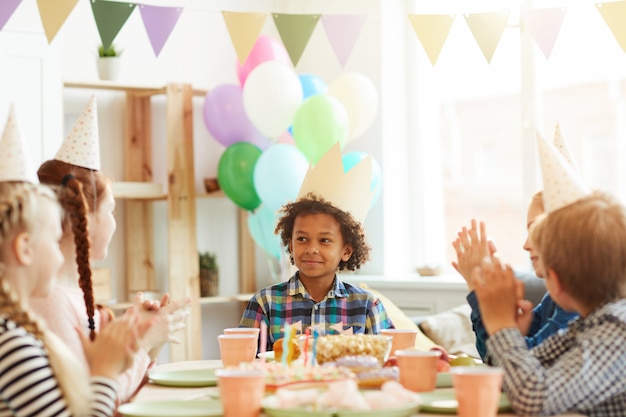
x,y
139,192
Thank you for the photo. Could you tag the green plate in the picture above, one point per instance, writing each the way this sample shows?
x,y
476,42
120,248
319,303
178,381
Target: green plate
x,y
185,378
272,411
178,408
444,380
445,402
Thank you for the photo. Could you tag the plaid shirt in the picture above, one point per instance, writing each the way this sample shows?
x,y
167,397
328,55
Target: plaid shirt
x,y
581,369
289,302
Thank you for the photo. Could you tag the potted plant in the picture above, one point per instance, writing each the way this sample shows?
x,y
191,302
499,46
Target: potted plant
x,y
108,63
209,274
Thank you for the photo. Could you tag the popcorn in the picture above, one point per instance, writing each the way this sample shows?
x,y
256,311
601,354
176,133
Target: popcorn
x,y
330,348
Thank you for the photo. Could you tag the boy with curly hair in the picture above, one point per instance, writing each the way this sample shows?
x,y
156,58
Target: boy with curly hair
x,y
321,237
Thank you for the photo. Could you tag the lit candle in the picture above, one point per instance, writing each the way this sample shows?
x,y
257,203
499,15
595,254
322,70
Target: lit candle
x,y
263,341
314,353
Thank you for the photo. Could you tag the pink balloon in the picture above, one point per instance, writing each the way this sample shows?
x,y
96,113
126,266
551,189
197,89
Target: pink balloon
x,y
266,48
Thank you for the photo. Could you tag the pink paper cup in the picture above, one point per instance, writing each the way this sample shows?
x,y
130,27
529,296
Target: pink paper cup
x,y
237,348
400,339
244,330
477,390
241,391
418,369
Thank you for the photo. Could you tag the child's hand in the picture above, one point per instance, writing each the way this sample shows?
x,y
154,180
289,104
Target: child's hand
x,y
471,248
497,292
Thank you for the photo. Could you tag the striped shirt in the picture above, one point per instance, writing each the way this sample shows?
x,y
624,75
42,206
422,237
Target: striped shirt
x,y
27,383
289,302
581,369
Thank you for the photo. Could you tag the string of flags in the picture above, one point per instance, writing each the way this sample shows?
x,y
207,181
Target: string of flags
x,y
342,30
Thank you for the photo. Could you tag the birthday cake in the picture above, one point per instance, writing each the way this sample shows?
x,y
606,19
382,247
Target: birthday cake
x,y
280,375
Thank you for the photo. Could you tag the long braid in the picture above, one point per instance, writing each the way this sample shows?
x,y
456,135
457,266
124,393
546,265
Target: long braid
x,y
73,201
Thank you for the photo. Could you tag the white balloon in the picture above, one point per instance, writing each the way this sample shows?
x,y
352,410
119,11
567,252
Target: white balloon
x,y
271,95
358,95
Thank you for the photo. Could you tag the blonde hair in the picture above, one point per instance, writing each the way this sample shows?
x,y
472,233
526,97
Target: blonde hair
x,y
22,205
585,244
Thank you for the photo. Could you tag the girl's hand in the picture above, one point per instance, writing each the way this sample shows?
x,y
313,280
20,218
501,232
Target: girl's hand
x,y
471,247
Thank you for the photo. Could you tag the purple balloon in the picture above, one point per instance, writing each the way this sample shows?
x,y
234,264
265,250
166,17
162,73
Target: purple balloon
x,y
226,118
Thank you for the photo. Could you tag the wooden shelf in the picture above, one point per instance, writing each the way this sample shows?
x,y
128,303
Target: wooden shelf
x,y
243,298
138,89
130,190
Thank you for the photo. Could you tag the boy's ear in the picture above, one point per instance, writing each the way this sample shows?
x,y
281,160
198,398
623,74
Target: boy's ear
x,y
22,248
347,253
557,287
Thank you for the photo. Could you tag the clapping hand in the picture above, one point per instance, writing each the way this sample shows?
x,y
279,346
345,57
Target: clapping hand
x,y
471,247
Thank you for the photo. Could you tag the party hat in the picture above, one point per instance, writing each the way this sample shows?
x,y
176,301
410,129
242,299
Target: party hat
x,y
561,145
348,191
81,146
15,162
561,183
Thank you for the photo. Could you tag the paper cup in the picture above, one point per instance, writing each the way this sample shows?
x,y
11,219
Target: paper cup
x,y
241,391
477,390
418,369
237,348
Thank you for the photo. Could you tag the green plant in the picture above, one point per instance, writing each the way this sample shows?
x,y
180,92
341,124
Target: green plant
x,y
109,52
208,260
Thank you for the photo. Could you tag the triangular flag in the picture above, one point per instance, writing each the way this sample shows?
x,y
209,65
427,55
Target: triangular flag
x,y
487,29
342,31
159,22
53,14
544,26
81,147
561,145
432,31
243,28
15,162
7,7
295,31
110,16
614,14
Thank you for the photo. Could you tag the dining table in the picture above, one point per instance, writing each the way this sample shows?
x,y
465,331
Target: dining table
x,y
152,392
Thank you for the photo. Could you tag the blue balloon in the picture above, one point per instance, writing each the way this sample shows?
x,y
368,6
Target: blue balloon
x,y
311,85
261,224
352,158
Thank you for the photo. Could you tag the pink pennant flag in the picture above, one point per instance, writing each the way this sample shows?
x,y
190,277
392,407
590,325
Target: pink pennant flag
x,y
342,31
544,26
7,7
159,22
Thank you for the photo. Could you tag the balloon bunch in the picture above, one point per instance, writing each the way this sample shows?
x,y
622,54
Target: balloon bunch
x,y
274,124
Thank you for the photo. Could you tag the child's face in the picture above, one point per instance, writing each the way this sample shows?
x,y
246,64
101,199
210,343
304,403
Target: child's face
x,y
45,244
317,245
534,211
102,226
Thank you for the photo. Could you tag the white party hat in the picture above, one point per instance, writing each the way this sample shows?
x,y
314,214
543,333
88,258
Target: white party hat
x,y
561,183
15,162
82,146
561,145
348,191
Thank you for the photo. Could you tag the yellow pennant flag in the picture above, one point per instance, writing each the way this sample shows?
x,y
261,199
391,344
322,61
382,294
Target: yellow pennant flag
x,y
243,28
53,14
614,14
432,31
487,29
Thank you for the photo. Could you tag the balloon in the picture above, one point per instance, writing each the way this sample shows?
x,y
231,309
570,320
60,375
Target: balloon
x,y
311,85
319,122
261,224
350,159
271,96
278,175
235,174
265,49
358,95
226,119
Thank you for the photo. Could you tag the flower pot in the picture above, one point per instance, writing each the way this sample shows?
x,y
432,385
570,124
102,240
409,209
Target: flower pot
x,y
109,68
208,283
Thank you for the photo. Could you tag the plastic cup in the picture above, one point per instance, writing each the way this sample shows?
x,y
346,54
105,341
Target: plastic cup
x,y
477,390
400,339
241,391
237,348
244,330
418,369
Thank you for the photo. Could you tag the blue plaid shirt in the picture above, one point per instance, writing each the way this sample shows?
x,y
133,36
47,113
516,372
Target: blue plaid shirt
x,y
289,302
581,369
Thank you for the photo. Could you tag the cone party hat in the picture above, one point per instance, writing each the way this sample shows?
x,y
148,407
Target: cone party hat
x,y
82,146
15,162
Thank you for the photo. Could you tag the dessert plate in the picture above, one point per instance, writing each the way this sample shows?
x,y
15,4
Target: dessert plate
x,y
444,380
271,410
185,378
445,402
179,408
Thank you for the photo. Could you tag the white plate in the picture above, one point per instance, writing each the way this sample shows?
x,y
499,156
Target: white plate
x,y
179,408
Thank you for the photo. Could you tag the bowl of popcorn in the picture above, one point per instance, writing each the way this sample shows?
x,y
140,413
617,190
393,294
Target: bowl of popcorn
x,y
332,347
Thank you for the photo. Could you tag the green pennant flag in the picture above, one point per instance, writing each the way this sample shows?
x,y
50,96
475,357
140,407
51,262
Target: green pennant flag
x,y
295,31
110,17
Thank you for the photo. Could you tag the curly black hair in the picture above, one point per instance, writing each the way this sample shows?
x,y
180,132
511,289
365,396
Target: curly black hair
x,y
352,231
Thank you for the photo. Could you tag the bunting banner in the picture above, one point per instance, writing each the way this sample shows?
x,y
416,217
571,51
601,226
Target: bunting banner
x,y
544,26
487,29
110,17
53,14
614,15
342,31
159,22
7,8
243,29
432,30
295,31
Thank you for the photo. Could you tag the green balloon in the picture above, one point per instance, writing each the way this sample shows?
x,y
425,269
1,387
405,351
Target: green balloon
x,y
318,124
235,174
